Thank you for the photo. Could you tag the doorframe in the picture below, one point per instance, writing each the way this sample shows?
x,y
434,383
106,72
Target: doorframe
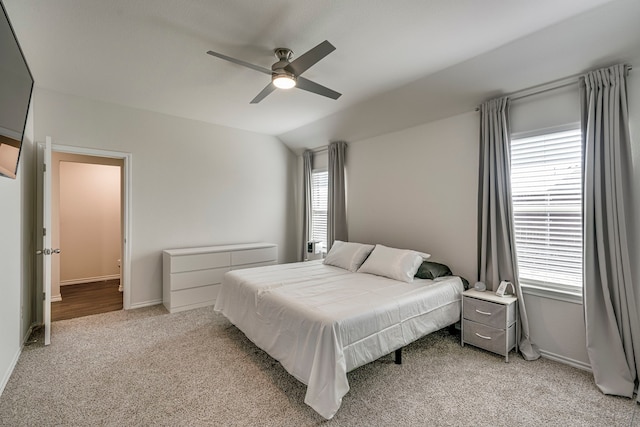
x,y
125,264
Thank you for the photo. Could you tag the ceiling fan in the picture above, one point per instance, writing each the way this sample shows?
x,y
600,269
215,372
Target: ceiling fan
x,y
285,74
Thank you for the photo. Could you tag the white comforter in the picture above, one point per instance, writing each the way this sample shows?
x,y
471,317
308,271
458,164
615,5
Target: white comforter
x,y
320,322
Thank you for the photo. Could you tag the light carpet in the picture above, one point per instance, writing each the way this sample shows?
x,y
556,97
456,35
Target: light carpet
x,y
147,367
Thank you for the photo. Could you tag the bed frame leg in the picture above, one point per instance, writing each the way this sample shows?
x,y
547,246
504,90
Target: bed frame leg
x,y
399,356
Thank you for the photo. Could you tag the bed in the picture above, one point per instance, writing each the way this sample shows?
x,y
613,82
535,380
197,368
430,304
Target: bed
x,y
321,321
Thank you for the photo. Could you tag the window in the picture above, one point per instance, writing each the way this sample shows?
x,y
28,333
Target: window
x,y
546,185
319,192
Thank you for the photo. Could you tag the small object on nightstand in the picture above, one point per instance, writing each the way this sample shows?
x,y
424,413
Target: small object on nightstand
x,y
314,250
502,289
480,286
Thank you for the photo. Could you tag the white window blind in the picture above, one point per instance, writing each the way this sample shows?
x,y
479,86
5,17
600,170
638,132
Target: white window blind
x,y
319,193
546,185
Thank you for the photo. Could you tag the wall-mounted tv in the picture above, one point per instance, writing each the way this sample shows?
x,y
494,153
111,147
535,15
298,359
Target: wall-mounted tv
x,y
16,86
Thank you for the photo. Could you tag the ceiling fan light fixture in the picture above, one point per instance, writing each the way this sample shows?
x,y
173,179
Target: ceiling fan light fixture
x,y
285,72
283,81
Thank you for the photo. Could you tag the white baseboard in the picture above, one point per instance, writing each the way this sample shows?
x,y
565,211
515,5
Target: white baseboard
x,y
7,374
145,304
56,298
566,360
89,279
12,366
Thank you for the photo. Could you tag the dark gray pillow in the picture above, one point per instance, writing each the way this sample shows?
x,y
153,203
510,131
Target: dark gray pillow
x,y
431,270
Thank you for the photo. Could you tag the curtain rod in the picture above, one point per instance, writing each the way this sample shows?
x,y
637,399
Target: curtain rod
x,y
546,87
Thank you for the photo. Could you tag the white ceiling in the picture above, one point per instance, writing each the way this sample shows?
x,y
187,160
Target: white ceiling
x,y
151,54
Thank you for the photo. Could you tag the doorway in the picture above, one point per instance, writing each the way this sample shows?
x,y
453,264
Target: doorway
x,y
46,252
86,226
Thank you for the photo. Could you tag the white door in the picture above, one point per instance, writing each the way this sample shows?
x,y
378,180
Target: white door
x,y
44,227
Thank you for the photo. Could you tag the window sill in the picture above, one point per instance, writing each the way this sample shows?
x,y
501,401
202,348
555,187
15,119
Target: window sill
x,y
565,296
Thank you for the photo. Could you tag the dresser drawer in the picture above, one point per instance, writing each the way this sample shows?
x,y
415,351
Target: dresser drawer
x,y
486,312
194,297
496,340
254,256
197,278
199,261
245,266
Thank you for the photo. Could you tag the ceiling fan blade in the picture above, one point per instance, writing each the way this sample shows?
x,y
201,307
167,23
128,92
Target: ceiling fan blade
x,y
263,93
310,86
308,59
240,62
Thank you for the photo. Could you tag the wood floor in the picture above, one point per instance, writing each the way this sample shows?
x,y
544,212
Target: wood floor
x,y
86,299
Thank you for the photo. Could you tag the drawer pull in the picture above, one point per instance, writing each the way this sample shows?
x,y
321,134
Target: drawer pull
x,y
483,337
483,312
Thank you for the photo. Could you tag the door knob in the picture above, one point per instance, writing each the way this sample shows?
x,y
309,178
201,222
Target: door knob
x,y
48,251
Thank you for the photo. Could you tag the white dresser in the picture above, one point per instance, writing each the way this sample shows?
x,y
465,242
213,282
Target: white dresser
x,y
192,276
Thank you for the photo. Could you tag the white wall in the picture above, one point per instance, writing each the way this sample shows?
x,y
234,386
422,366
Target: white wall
x,y
28,240
417,189
557,328
423,182
16,231
193,184
546,110
10,278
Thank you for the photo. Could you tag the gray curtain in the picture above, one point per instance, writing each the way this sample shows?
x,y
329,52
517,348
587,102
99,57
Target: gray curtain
x,y
496,240
307,167
611,315
336,204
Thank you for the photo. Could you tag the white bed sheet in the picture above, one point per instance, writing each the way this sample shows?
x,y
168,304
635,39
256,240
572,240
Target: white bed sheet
x,y
320,321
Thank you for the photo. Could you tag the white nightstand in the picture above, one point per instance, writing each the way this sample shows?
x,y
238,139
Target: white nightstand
x,y
490,322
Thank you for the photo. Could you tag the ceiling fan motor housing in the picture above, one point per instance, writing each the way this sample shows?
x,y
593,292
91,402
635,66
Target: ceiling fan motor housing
x,y
284,56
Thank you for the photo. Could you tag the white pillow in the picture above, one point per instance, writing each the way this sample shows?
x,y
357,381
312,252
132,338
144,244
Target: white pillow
x,y
398,264
347,255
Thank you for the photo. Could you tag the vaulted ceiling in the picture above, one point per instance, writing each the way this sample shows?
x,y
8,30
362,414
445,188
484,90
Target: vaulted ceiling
x,y
397,63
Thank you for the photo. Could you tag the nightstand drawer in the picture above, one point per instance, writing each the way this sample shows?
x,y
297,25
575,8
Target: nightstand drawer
x,y
488,313
492,339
